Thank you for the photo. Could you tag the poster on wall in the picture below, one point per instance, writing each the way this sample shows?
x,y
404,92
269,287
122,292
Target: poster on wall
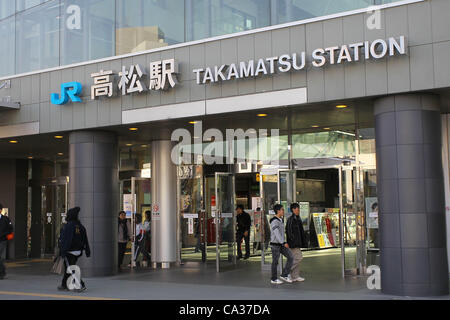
x,y
128,204
304,214
372,212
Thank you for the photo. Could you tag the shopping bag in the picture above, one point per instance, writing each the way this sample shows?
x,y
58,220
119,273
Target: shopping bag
x,y
58,267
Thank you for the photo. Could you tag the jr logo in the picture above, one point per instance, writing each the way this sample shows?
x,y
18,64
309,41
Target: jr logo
x,y
68,90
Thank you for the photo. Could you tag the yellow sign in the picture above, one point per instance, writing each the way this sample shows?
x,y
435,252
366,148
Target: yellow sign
x,y
257,177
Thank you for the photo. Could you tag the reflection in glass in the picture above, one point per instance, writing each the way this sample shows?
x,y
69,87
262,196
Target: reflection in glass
x,y
38,37
293,10
209,18
6,8
147,24
26,4
323,144
87,30
7,47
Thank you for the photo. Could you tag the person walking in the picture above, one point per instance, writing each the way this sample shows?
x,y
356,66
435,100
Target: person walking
x,y
147,235
243,231
140,240
279,246
6,228
124,236
296,240
72,242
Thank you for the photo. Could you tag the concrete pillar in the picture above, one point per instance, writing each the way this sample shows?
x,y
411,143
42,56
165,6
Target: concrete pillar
x,y
164,196
94,187
411,196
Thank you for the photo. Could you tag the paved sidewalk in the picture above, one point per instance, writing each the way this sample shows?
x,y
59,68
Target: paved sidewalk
x,y
30,279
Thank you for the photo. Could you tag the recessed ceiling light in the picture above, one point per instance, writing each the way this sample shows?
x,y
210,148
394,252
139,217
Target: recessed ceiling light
x,y
30,157
192,122
59,137
128,144
341,106
13,141
314,126
144,146
262,115
133,129
326,128
60,154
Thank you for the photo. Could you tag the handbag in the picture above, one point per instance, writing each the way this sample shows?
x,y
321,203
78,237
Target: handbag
x,y
58,266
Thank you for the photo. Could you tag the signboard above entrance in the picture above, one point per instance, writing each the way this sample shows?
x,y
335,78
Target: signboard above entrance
x,y
320,57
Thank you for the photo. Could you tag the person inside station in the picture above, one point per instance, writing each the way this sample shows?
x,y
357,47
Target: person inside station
x,y
243,223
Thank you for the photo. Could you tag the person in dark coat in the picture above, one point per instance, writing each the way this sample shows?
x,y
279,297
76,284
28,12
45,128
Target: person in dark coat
x,y
296,240
72,242
243,230
124,233
6,228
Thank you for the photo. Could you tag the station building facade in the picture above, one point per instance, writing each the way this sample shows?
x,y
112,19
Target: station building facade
x,y
184,109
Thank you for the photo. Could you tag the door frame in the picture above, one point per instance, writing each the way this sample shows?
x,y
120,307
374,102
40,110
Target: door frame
x,y
218,216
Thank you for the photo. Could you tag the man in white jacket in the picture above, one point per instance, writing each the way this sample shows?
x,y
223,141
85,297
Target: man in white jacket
x,y
279,246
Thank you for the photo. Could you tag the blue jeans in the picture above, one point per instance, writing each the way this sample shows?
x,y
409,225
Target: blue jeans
x,y
276,251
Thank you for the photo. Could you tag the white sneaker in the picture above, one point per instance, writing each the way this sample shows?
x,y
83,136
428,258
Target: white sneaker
x,y
299,279
286,279
278,281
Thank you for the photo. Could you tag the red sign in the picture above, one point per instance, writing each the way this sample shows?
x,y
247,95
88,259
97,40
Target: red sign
x,y
213,201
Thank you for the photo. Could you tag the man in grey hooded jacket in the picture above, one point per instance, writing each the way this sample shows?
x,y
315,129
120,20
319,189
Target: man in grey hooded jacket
x,y
279,246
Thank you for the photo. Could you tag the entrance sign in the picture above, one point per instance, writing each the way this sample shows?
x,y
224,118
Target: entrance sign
x,y
320,57
162,77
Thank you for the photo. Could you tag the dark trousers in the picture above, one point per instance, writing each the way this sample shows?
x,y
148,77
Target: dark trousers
x,y
122,249
72,261
140,248
239,237
2,258
276,251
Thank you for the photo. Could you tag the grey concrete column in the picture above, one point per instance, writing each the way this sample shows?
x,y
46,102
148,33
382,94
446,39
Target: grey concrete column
x,y
164,196
94,187
411,196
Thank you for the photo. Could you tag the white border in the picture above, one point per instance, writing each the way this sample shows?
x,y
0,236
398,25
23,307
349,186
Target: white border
x,y
227,36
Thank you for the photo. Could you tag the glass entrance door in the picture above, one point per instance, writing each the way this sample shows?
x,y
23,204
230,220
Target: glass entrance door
x,y
137,205
53,213
269,194
225,221
192,216
352,221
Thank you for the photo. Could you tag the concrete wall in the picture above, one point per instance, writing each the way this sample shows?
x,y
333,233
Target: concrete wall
x,y
425,24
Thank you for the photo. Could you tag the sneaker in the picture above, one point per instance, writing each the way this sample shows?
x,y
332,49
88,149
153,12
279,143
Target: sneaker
x,y
246,257
286,279
299,279
80,290
61,288
278,281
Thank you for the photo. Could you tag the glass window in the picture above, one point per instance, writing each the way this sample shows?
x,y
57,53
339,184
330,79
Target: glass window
x,y
87,30
6,8
218,17
7,47
147,24
293,10
26,4
37,45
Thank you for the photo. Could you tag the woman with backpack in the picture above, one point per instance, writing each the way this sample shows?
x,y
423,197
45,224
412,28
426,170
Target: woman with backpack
x,y
72,242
